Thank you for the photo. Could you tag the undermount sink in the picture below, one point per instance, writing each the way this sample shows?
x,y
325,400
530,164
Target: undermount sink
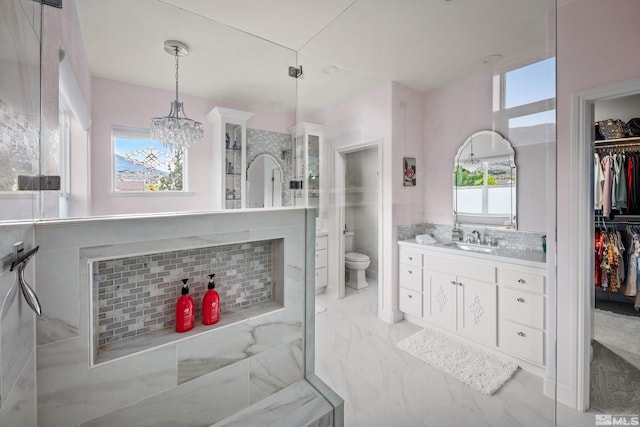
x,y
473,247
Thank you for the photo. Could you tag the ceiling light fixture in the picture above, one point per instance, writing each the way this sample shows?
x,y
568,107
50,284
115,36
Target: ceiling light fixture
x,y
176,131
330,69
491,59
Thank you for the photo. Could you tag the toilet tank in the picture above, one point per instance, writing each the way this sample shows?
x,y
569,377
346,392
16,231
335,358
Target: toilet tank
x,y
348,241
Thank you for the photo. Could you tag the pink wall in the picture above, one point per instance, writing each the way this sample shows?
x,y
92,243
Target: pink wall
x,y
390,113
116,103
451,114
454,112
597,45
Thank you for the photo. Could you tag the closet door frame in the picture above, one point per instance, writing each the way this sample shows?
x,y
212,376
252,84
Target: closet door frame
x,y
581,237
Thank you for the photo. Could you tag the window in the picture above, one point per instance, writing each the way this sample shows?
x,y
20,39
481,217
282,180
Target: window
x,y
141,164
528,103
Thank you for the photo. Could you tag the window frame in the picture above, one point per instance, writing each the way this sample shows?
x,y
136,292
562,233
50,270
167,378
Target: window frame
x,y
120,131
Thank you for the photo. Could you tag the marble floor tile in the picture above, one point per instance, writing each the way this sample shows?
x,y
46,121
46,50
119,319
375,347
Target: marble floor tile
x,y
356,355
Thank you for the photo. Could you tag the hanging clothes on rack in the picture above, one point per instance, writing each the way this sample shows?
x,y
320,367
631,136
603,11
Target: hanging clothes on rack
x,y
607,172
631,282
619,191
610,272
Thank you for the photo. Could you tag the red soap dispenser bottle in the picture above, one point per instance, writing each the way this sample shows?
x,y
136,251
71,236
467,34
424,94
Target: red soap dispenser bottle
x,y
184,310
211,304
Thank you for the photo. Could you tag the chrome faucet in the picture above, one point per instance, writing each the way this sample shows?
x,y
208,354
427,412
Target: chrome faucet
x,y
476,233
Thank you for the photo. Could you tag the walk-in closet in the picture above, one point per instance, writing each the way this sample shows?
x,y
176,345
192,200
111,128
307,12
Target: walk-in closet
x,y
615,344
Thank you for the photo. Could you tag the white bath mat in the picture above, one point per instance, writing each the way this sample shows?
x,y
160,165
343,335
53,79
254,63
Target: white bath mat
x,y
320,309
479,369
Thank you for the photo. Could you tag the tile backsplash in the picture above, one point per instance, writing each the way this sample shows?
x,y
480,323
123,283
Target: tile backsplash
x,y
137,295
514,239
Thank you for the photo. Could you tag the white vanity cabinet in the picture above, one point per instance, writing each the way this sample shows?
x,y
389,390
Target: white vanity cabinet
x,y
491,301
463,296
321,263
411,290
522,313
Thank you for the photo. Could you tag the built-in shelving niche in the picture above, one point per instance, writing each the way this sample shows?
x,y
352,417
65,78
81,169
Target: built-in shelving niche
x,y
134,297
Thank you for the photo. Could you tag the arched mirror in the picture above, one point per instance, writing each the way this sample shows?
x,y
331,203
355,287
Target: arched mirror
x,y
484,181
264,182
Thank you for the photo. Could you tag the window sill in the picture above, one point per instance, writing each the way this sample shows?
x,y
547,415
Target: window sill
x,y
150,193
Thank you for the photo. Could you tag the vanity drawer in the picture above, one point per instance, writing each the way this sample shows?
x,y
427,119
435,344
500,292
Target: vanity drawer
x,y
522,341
522,307
409,257
461,267
411,277
321,258
522,280
410,302
321,277
321,242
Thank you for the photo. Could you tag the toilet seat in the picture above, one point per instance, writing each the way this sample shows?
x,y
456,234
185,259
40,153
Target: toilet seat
x,y
355,257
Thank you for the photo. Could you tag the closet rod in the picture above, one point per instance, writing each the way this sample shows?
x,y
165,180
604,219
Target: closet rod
x,y
618,219
633,143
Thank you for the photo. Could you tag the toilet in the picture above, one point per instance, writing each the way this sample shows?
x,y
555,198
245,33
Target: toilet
x,y
356,263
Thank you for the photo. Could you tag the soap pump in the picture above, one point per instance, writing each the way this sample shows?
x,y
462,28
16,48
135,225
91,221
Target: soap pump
x,y
185,313
211,304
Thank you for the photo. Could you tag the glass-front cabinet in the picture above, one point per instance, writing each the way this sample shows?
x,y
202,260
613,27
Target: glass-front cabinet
x,y
306,184
229,147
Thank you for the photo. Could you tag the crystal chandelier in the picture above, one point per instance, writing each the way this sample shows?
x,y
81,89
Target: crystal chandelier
x,y
471,163
176,131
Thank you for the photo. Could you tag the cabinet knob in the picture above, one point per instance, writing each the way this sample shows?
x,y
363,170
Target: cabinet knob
x,y
459,283
453,282
410,296
520,299
410,272
520,333
520,280
410,258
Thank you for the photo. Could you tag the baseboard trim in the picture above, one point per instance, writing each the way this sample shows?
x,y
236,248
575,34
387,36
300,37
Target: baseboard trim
x,y
565,393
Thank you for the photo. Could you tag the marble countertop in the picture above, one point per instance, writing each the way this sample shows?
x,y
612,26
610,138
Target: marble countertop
x,y
531,258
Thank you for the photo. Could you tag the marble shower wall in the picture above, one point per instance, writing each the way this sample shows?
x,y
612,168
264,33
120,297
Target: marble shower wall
x,y
20,31
216,372
273,143
17,341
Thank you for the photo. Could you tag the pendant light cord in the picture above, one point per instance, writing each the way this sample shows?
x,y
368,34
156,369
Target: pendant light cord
x,y
177,76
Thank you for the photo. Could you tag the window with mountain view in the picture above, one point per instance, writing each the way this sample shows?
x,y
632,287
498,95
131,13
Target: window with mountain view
x,y
141,164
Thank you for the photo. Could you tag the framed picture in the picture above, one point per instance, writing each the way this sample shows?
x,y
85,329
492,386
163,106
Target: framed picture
x,y
409,169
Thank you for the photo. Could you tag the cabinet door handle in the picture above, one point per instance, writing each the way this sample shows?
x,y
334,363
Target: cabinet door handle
x,y
459,283
453,282
410,296
520,333
410,271
520,280
410,258
520,299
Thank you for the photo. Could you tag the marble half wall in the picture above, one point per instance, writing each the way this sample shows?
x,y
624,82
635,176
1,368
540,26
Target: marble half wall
x,y
211,373
17,340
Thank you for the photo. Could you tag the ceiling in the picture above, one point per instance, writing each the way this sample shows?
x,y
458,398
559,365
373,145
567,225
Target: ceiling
x,y
240,50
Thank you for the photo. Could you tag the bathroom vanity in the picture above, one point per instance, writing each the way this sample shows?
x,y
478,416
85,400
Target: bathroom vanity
x,y
496,298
